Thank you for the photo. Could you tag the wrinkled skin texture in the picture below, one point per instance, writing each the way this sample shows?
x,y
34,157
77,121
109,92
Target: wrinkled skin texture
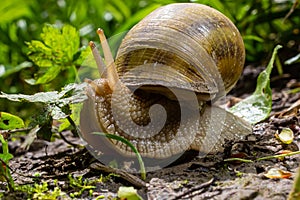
x,y
126,114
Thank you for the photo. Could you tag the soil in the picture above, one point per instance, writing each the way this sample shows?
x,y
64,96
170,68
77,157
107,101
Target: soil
x,y
191,177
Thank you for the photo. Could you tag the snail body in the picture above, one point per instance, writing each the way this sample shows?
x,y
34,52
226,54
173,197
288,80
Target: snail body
x,y
168,70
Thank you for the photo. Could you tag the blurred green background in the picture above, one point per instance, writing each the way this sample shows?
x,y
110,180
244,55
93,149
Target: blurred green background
x,y
262,23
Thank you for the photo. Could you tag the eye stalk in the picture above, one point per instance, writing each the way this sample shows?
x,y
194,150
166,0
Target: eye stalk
x,y
111,75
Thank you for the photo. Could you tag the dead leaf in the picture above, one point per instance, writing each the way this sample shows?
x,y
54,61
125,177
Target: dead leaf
x,y
286,136
277,173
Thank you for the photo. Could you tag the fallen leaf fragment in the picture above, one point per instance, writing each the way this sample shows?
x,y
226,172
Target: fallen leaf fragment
x,y
286,136
283,152
277,173
128,193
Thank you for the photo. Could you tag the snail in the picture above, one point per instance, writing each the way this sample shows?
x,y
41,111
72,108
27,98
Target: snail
x,y
159,91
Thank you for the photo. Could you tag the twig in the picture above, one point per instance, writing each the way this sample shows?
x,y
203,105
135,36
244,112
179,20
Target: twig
x,y
76,132
193,189
238,159
5,133
279,156
263,158
68,142
137,182
296,3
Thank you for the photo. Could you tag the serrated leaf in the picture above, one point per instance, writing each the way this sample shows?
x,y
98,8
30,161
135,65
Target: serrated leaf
x,y
40,54
9,121
58,50
257,107
56,112
57,101
41,97
72,93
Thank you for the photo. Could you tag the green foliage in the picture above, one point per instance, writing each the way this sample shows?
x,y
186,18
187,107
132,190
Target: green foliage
x,y
56,106
82,185
5,156
56,101
257,107
9,121
41,191
58,51
11,70
261,24
295,192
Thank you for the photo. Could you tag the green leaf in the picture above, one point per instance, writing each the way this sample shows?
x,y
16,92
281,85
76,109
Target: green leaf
x,y
257,107
14,9
128,193
50,74
81,55
56,101
293,60
57,51
122,7
75,113
137,17
5,157
44,132
8,70
253,37
41,97
9,121
40,54
72,93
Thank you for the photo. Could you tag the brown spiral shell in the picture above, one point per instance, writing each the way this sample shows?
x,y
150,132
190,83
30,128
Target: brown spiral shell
x,y
182,46
198,42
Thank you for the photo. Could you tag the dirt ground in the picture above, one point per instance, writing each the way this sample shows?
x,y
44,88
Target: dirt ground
x,y
191,177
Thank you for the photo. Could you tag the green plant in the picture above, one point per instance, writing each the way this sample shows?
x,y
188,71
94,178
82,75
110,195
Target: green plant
x,y
79,184
5,156
41,191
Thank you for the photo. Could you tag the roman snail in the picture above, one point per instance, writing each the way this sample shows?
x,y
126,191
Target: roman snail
x,y
169,69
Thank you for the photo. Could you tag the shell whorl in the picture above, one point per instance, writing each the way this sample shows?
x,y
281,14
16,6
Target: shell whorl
x,y
202,45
